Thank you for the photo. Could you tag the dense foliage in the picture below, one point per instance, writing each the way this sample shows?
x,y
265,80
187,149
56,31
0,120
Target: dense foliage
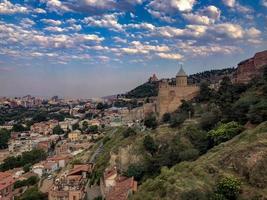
x,y
28,182
30,157
33,194
4,138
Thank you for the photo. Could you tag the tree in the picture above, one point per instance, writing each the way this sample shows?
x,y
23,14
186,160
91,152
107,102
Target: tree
x,y
205,92
151,121
258,112
40,117
33,194
150,144
128,132
58,130
210,119
136,171
4,138
27,167
186,107
166,117
177,119
85,125
18,128
93,129
224,132
75,126
229,187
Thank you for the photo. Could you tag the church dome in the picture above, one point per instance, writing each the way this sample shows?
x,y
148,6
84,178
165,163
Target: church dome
x,y
181,72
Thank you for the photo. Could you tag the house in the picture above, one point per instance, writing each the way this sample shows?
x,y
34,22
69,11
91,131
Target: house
x,y
45,167
115,186
6,186
74,135
71,185
61,160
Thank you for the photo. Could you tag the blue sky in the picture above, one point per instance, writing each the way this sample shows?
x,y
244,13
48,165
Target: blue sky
x,y
88,48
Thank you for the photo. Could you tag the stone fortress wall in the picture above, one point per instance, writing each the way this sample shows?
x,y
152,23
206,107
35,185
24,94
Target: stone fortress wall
x,y
170,96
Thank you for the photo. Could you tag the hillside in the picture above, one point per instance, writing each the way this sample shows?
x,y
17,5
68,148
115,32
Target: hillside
x,y
244,157
151,89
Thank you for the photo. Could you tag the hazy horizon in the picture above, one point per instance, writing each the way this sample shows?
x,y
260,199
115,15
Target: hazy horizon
x,y
86,49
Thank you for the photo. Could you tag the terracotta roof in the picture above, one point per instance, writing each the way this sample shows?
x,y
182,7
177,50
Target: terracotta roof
x,y
121,191
80,168
6,180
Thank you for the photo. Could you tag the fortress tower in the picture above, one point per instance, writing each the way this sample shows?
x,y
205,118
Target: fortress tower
x,y
170,96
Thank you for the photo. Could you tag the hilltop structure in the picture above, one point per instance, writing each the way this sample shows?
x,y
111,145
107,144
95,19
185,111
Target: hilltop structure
x,y
250,68
170,96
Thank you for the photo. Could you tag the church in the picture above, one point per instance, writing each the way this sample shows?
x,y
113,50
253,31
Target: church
x,y
170,96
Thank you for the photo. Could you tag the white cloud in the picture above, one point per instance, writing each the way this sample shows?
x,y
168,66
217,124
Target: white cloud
x,y
106,21
143,25
39,11
233,31
51,22
197,19
212,12
56,6
170,56
27,23
253,32
6,7
229,3
119,40
264,3
53,29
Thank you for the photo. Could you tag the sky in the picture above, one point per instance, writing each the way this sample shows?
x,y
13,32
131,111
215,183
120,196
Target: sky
x,y
93,48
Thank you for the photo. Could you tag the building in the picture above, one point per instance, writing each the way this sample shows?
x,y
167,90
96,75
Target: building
x,y
170,96
250,68
71,185
44,128
74,135
6,186
114,186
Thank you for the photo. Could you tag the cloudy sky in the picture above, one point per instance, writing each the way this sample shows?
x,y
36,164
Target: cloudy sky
x,y
88,48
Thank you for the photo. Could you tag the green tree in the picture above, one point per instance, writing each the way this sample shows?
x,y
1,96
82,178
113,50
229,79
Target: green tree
x,y
33,194
205,93
177,119
229,187
27,167
150,144
93,129
258,112
75,126
18,128
58,130
129,132
85,126
4,138
151,121
224,132
135,170
166,117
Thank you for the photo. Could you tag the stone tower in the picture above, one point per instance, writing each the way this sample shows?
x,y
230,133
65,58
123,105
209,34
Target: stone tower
x,y
170,96
181,78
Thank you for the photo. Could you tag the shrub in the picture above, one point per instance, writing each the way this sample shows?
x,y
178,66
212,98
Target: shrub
x,y
193,195
128,132
177,119
258,112
224,132
150,144
136,171
229,187
151,121
189,154
166,117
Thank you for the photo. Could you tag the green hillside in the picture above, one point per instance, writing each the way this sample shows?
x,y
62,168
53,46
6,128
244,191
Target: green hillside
x,y
244,157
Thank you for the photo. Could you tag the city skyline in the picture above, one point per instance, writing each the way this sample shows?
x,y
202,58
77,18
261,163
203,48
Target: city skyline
x,y
94,48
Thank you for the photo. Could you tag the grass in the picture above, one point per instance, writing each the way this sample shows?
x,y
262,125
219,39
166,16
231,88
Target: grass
x,y
243,157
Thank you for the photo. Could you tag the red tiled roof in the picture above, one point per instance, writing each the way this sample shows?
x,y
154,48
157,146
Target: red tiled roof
x,y
80,168
6,180
123,186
